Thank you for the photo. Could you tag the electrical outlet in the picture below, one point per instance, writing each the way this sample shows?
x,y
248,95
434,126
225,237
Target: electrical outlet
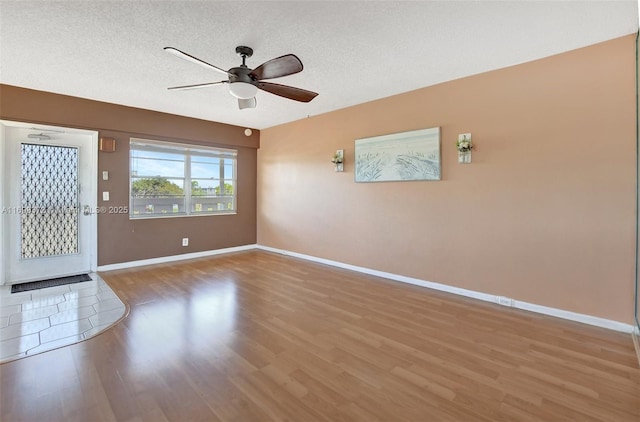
x,y
185,241
505,301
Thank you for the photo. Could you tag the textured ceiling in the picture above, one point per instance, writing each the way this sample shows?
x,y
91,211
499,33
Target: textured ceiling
x,y
353,52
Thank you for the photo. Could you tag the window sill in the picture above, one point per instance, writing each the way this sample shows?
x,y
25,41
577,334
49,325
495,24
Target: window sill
x,y
150,217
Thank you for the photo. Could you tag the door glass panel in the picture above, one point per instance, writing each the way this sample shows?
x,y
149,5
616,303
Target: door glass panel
x,y
49,200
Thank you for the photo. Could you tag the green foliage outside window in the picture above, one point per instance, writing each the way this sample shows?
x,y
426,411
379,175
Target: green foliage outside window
x,y
155,186
228,189
160,186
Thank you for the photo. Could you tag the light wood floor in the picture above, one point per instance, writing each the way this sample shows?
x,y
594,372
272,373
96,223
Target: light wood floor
x,y
255,336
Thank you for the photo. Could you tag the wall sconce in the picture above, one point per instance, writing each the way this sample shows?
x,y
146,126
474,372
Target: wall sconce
x,y
338,160
464,147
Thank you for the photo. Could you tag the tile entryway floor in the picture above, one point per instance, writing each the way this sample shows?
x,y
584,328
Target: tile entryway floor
x,y
40,320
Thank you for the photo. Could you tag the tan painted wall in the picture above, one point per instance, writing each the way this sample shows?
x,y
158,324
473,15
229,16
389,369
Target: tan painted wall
x,y
544,214
123,240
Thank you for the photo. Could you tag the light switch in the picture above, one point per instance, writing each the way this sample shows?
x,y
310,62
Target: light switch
x,y
105,175
105,196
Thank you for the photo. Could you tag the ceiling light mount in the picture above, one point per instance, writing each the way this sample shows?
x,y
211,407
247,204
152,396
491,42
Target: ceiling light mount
x,y
244,52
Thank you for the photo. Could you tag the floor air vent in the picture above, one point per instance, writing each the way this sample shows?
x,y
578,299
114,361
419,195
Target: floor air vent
x,y
52,282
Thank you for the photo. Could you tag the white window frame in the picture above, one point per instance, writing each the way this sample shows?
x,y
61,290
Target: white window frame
x,y
188,151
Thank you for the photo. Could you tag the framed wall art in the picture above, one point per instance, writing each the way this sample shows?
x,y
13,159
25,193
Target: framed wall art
x,y
405,156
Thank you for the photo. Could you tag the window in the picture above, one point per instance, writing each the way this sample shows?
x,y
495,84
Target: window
x,y
168,180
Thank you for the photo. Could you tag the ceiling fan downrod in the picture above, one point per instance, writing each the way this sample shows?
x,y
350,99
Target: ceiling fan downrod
x,y
244,52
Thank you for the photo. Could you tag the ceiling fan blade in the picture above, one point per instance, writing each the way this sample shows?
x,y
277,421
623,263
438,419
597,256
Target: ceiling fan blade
x,y
190,58
197,86
247,103
289,92
275,68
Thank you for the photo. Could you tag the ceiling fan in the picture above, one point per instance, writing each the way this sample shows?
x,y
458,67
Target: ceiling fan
x,y
245,82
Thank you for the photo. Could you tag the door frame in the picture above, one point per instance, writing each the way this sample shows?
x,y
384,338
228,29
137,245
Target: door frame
x,y
91,185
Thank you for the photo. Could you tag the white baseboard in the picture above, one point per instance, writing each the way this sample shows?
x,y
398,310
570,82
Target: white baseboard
x,y
172,258
636,341
559,313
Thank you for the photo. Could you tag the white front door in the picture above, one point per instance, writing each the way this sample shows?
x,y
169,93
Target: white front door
x,y
49,201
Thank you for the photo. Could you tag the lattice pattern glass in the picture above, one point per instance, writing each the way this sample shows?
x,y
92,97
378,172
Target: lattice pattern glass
x,y
49,200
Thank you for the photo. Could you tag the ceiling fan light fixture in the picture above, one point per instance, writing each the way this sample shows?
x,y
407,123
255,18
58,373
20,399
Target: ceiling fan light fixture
x,y
243,90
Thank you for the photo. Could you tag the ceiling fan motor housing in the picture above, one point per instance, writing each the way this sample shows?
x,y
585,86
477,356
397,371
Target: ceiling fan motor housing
x,y
241,84
241,74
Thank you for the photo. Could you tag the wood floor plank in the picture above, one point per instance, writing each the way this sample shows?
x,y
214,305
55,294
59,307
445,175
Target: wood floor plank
x,y
257,336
